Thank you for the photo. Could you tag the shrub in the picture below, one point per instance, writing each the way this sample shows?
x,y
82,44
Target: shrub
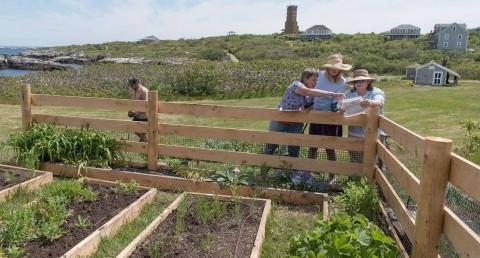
x,y
67,145
343,236
359,197
213,54
471,148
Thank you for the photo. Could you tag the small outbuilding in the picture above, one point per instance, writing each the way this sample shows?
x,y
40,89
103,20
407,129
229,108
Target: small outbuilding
x,y
411,71
435,74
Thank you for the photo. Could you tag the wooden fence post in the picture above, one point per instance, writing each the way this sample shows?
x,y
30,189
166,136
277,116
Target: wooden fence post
x,y
152,148
370,148
433,184
26,107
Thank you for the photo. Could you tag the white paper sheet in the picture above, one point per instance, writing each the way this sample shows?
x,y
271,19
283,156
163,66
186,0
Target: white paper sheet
x,y
352,106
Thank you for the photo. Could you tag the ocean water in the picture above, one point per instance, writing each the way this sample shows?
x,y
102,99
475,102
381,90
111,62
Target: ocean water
x,y
15,72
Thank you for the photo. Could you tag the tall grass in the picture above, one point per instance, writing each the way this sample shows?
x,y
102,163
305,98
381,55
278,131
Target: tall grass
x,y
81,147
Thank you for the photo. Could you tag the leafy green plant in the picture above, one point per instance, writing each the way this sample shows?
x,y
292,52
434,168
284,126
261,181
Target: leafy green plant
x,y
471,147
82,222
130,187
343,236
230,178
47,143
203,210
359,197
8,176
14,252
180,218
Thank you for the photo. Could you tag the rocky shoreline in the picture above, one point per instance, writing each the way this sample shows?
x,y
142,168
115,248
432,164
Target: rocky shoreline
x,y
48,60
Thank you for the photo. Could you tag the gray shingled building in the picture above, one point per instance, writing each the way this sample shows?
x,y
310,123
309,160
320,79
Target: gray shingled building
x,y
449,37
436,75
317,32
404,31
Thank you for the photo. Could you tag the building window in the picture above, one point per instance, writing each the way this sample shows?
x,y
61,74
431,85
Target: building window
x,y
445,44
447,36
459,44
459,36
454,28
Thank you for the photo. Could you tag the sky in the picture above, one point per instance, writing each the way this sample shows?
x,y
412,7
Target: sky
x,y
66,22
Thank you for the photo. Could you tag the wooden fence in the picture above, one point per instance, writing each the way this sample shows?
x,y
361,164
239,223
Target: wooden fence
x,y
440,165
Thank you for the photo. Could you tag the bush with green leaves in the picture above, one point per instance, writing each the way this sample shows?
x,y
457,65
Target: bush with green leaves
x,y
230,178
343,236
471,148
359,197
47,143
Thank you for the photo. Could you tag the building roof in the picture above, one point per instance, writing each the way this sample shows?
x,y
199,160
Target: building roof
x,y
319,27
442,26
406,27
415,65
442,67
150,38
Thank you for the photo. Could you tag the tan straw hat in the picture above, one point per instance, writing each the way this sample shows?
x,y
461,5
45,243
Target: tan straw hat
x,y
336,62
360,75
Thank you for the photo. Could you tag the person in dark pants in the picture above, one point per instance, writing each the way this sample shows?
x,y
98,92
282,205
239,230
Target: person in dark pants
x,y
298,95
330,79
139,93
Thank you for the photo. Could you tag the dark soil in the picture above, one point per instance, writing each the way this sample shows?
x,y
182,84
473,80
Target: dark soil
x,y
10,178
100,211
159,171
227,236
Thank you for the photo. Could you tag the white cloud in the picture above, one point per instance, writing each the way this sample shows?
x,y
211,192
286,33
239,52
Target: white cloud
x,y
80,22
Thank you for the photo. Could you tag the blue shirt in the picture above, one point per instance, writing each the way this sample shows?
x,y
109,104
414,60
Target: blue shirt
x,y
324,103
375,94
293,101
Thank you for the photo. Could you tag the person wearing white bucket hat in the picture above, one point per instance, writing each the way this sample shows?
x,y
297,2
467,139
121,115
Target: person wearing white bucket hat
x,y
329,79
372,97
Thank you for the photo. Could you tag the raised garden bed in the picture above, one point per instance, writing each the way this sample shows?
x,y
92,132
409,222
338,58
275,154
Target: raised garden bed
x,y
14,178
68,219
177,183
201,225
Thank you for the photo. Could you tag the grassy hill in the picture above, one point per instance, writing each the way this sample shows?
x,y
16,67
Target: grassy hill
x,y
368,51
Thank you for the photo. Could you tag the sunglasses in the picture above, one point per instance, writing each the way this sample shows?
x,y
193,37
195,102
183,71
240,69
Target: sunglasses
x,y
359,81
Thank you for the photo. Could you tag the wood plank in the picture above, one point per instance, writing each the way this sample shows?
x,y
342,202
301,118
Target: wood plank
x,y
409,182
130,146
152,150
342,168
257,246
31,184
370,146
306,116
89,245
393,232
125,253
394,201
94,123
465,175
182,184
463,238
411,141
317,141
325,210
431,198
26,106
88,102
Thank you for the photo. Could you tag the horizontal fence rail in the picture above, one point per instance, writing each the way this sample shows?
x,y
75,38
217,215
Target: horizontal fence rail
x,y
305,140
307,116
462,173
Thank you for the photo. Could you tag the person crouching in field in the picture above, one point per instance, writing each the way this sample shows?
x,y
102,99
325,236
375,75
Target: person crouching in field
x,y
139,93
372,97
330,79
297,96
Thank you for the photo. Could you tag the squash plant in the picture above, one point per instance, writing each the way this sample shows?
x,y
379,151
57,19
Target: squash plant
x,y
343,236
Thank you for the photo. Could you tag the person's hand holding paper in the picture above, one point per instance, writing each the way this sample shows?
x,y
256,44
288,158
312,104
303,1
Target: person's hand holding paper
x,y
352,106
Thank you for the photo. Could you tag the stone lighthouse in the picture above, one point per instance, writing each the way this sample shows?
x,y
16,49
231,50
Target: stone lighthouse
x,y
291,26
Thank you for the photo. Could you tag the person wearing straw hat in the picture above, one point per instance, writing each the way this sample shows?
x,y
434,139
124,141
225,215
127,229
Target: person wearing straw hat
x,y
372,97
297,96
329,79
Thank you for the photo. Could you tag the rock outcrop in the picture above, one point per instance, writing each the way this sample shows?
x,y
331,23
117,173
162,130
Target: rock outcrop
x,y
3,62
27,63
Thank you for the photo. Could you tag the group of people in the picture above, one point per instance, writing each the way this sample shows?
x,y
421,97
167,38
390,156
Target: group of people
x,y
324,89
